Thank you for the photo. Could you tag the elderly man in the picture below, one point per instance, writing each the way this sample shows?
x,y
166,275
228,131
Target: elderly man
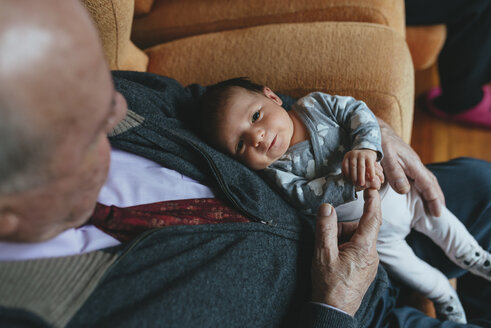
x,y
57,105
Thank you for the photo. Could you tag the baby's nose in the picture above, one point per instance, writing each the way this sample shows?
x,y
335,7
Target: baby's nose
x,y
257,137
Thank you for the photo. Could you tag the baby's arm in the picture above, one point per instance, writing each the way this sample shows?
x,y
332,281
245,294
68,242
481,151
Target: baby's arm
x,y
362,168
352,117
357,120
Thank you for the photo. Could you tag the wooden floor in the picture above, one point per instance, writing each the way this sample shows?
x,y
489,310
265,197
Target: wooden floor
x,y
436,140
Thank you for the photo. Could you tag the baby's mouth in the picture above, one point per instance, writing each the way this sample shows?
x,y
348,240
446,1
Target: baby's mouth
x,y
272,142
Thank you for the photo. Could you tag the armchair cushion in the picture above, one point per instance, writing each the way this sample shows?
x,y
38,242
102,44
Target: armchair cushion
x,y
170,20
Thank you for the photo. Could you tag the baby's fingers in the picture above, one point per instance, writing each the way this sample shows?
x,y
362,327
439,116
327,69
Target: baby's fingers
x,y
370,168
345,167
353,169
361,171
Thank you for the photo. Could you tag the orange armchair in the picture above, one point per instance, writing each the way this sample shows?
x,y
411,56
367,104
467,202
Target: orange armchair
x,y
274,43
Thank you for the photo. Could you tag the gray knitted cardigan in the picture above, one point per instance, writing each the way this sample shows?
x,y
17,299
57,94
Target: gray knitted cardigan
x,y
254,274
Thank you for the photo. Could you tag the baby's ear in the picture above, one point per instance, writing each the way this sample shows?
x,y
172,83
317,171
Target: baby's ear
x,y
271,95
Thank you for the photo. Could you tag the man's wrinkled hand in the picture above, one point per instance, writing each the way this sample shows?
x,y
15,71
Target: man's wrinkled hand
x,y
342,273
401,162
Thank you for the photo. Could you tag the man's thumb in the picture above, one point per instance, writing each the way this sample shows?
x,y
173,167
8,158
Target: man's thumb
x,y
326,232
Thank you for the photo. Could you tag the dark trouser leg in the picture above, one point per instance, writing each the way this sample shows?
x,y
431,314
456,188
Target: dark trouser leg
x,y
465,61
391,314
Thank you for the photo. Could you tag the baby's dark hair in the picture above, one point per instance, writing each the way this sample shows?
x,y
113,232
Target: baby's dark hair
x,y
213,101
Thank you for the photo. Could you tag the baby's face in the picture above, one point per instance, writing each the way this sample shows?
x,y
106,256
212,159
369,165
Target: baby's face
x,y
254,128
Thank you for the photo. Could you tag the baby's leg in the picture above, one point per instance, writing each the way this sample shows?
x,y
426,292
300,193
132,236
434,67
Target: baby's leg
x,y
400,260
451,235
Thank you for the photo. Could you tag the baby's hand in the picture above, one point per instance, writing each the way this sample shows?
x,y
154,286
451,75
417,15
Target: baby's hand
x,y
362,168
378,180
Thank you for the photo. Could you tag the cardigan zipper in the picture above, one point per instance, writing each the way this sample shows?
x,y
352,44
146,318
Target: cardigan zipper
x,y
222,186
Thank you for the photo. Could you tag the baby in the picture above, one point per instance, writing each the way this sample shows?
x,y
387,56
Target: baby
x,y
326,149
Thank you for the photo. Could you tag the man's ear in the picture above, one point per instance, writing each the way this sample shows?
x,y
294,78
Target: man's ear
x,y
9,222
271,95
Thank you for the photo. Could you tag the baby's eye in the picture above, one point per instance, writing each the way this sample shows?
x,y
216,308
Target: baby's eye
x,y
255,116
240,145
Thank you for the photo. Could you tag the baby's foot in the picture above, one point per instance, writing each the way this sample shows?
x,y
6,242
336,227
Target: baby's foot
x,y
450,309
478,262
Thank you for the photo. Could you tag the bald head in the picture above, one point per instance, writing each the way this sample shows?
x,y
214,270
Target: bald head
x,y
49,56
57,104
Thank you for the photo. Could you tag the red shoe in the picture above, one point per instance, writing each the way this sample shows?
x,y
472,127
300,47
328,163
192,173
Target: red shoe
x,y
479,115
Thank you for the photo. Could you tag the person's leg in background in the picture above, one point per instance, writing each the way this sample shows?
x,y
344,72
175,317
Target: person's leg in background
x,y
465,61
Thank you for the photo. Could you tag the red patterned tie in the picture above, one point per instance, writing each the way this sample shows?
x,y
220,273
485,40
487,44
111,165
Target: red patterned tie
x,y
125,223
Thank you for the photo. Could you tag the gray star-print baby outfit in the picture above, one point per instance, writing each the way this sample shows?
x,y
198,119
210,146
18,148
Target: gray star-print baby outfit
x,y
309,174
310,171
